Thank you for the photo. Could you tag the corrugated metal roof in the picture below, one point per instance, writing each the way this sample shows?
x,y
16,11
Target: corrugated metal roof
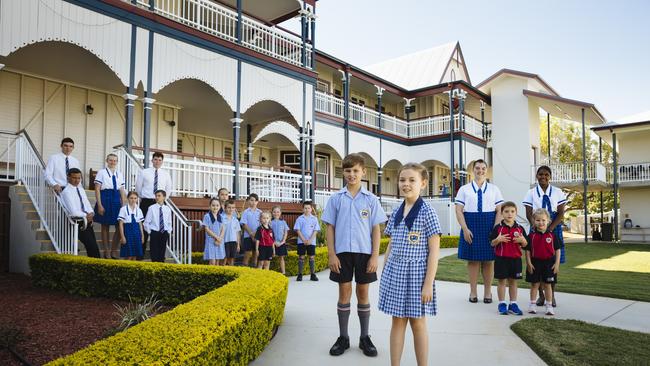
x,y
416,70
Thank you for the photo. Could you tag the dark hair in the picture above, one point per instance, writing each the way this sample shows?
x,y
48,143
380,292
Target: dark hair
x,y
253,195
222,189
229,202
480,161
73,171
354,159
162,191
132,193
308,203
158,154
417,167
212,218
508,204
67,139
544,167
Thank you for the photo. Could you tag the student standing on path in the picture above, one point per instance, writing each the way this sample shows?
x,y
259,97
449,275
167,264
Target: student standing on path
x,y
150,181
250,221
478,210
76,202
307,227
353,216
110,196
553,200
58,166
407,290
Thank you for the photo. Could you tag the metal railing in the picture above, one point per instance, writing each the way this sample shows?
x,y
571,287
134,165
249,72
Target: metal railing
x,y
220,21
180,239
429,126
22,163
570,173
633,173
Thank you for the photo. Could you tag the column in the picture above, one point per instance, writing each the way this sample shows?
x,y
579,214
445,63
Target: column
x,y
615,173
148,101
238,29
249,155
312,162
130,96
407,112
312,18
301,139
380,93
452,183
484,129
548,133
584,175
600,160
236,126
461,122
345,79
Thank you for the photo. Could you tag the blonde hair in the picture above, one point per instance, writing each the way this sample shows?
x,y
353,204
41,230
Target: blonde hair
x,y
541,212
266,213
417,167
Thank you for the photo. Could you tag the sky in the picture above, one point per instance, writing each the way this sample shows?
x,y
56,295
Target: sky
x,y
594,51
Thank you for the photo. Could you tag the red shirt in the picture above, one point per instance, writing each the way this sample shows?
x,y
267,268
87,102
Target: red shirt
x,y
510,248
265,236
542,245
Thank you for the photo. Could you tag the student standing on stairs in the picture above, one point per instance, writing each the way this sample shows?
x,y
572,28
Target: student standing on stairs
x,y
148,182
110,196
76,202
58,166
158,224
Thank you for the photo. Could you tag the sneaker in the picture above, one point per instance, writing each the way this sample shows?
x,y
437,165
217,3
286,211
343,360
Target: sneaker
x,y
549,309
503,308
513,308
299,278
341,344
313,277
532,308
367,347
554,304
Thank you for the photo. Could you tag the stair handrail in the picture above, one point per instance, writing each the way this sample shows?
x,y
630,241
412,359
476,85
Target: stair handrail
x,y
54,216
180,240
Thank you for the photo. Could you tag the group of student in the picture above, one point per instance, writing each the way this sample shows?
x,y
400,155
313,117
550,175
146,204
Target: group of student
x,y
138,216
265,234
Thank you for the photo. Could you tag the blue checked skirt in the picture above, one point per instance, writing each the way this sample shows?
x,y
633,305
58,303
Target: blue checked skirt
x,y
480,224
400,289
133,246
558,234
112,204
212,251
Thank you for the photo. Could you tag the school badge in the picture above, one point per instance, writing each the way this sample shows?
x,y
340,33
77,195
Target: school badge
x,y
516,234
365,213
549,240
414,237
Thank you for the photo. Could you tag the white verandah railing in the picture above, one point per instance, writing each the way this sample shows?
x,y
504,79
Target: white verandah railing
x,y
220,21
180,239
22,163
633,172
573,172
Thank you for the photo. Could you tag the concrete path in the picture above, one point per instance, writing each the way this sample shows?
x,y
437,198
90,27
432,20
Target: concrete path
x,y
462,333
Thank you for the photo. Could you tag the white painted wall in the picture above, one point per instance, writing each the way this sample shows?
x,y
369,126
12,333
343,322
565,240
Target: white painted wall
x,y
634,205
633,147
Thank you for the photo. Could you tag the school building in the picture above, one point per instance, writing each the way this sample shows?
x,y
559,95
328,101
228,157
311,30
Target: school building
x,y
234,100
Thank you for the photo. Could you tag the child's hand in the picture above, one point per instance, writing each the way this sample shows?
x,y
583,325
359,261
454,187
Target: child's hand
x,y
427,293
555,268
502,238
122,240
276,244
467,234
530,268
372,264
521,240
334,263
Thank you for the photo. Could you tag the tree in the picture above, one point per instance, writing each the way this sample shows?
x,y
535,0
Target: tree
x,y
566,147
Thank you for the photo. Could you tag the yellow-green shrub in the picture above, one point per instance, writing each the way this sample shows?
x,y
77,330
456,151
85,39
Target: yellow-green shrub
x,y
229,325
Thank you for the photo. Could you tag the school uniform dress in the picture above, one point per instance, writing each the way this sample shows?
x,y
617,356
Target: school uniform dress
x,y
400,288
231,229
479,209
251,218
131,217
549,200
213,250
56,170
158,223
279,227
76,203
266,239
307,226
111,184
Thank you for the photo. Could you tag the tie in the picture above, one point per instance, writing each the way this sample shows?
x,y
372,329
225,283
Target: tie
x,y
546,203
114,182
161,220
479,204
81,201
155,181
67,165
132,218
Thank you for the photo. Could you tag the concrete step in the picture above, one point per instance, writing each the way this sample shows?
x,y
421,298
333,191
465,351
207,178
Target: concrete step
x,y
31,215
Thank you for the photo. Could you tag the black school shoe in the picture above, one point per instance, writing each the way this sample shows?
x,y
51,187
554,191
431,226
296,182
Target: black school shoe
x,y
313,277
299,278
367,347
341,344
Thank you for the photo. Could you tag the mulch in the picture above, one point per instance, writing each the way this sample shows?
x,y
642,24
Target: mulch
x,y
52,323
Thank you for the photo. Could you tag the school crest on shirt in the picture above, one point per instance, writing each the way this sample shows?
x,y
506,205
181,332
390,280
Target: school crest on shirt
x,y
549,240
516,234
414,237
365,213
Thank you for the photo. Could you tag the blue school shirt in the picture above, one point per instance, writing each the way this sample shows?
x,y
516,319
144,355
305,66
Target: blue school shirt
x,y
215,227
252,219
353,220
279,228
231,228
307,226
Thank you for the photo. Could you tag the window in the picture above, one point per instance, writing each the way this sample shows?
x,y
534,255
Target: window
x,y
338,172
227,152
179,145
322,86
290,159
322,170
337,92
383,109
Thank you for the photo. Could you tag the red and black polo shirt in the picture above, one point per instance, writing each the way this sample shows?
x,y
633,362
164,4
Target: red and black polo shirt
x,y
510,248
542,245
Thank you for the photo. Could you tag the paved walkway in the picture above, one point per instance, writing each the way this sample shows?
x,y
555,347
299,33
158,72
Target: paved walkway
x,y
462,333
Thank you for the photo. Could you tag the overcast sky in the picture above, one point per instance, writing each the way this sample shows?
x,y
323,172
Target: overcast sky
x,y
594,51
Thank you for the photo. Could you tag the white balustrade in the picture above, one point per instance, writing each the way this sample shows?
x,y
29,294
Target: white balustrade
x,y
446,211
573,173
220,21
389,203
634,172
321,197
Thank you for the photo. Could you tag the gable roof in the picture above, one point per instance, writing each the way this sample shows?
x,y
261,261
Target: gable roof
x,y
484,85
420,69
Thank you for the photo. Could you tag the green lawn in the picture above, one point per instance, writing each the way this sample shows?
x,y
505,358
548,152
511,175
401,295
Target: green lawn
x,y
619,284
572,342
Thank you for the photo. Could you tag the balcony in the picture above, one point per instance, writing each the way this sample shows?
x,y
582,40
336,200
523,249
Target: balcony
x,y
633,174
219,21
570,175
424,127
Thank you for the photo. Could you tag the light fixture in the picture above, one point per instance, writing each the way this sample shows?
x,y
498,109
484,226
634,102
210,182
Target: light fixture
x,y
172,123
89,108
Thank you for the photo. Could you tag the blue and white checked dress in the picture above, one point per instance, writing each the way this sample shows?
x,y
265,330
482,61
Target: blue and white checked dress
x,y
400,288
479,209
211,250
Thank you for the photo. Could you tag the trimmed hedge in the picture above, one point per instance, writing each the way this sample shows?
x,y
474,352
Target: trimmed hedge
x,y
210,329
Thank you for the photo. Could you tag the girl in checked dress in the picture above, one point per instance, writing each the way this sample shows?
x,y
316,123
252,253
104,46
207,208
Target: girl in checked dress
x,y
407,289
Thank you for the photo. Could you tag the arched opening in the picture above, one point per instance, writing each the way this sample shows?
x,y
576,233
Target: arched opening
x,y
56,89
329,171
439,183
267,111
390,182
370,181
